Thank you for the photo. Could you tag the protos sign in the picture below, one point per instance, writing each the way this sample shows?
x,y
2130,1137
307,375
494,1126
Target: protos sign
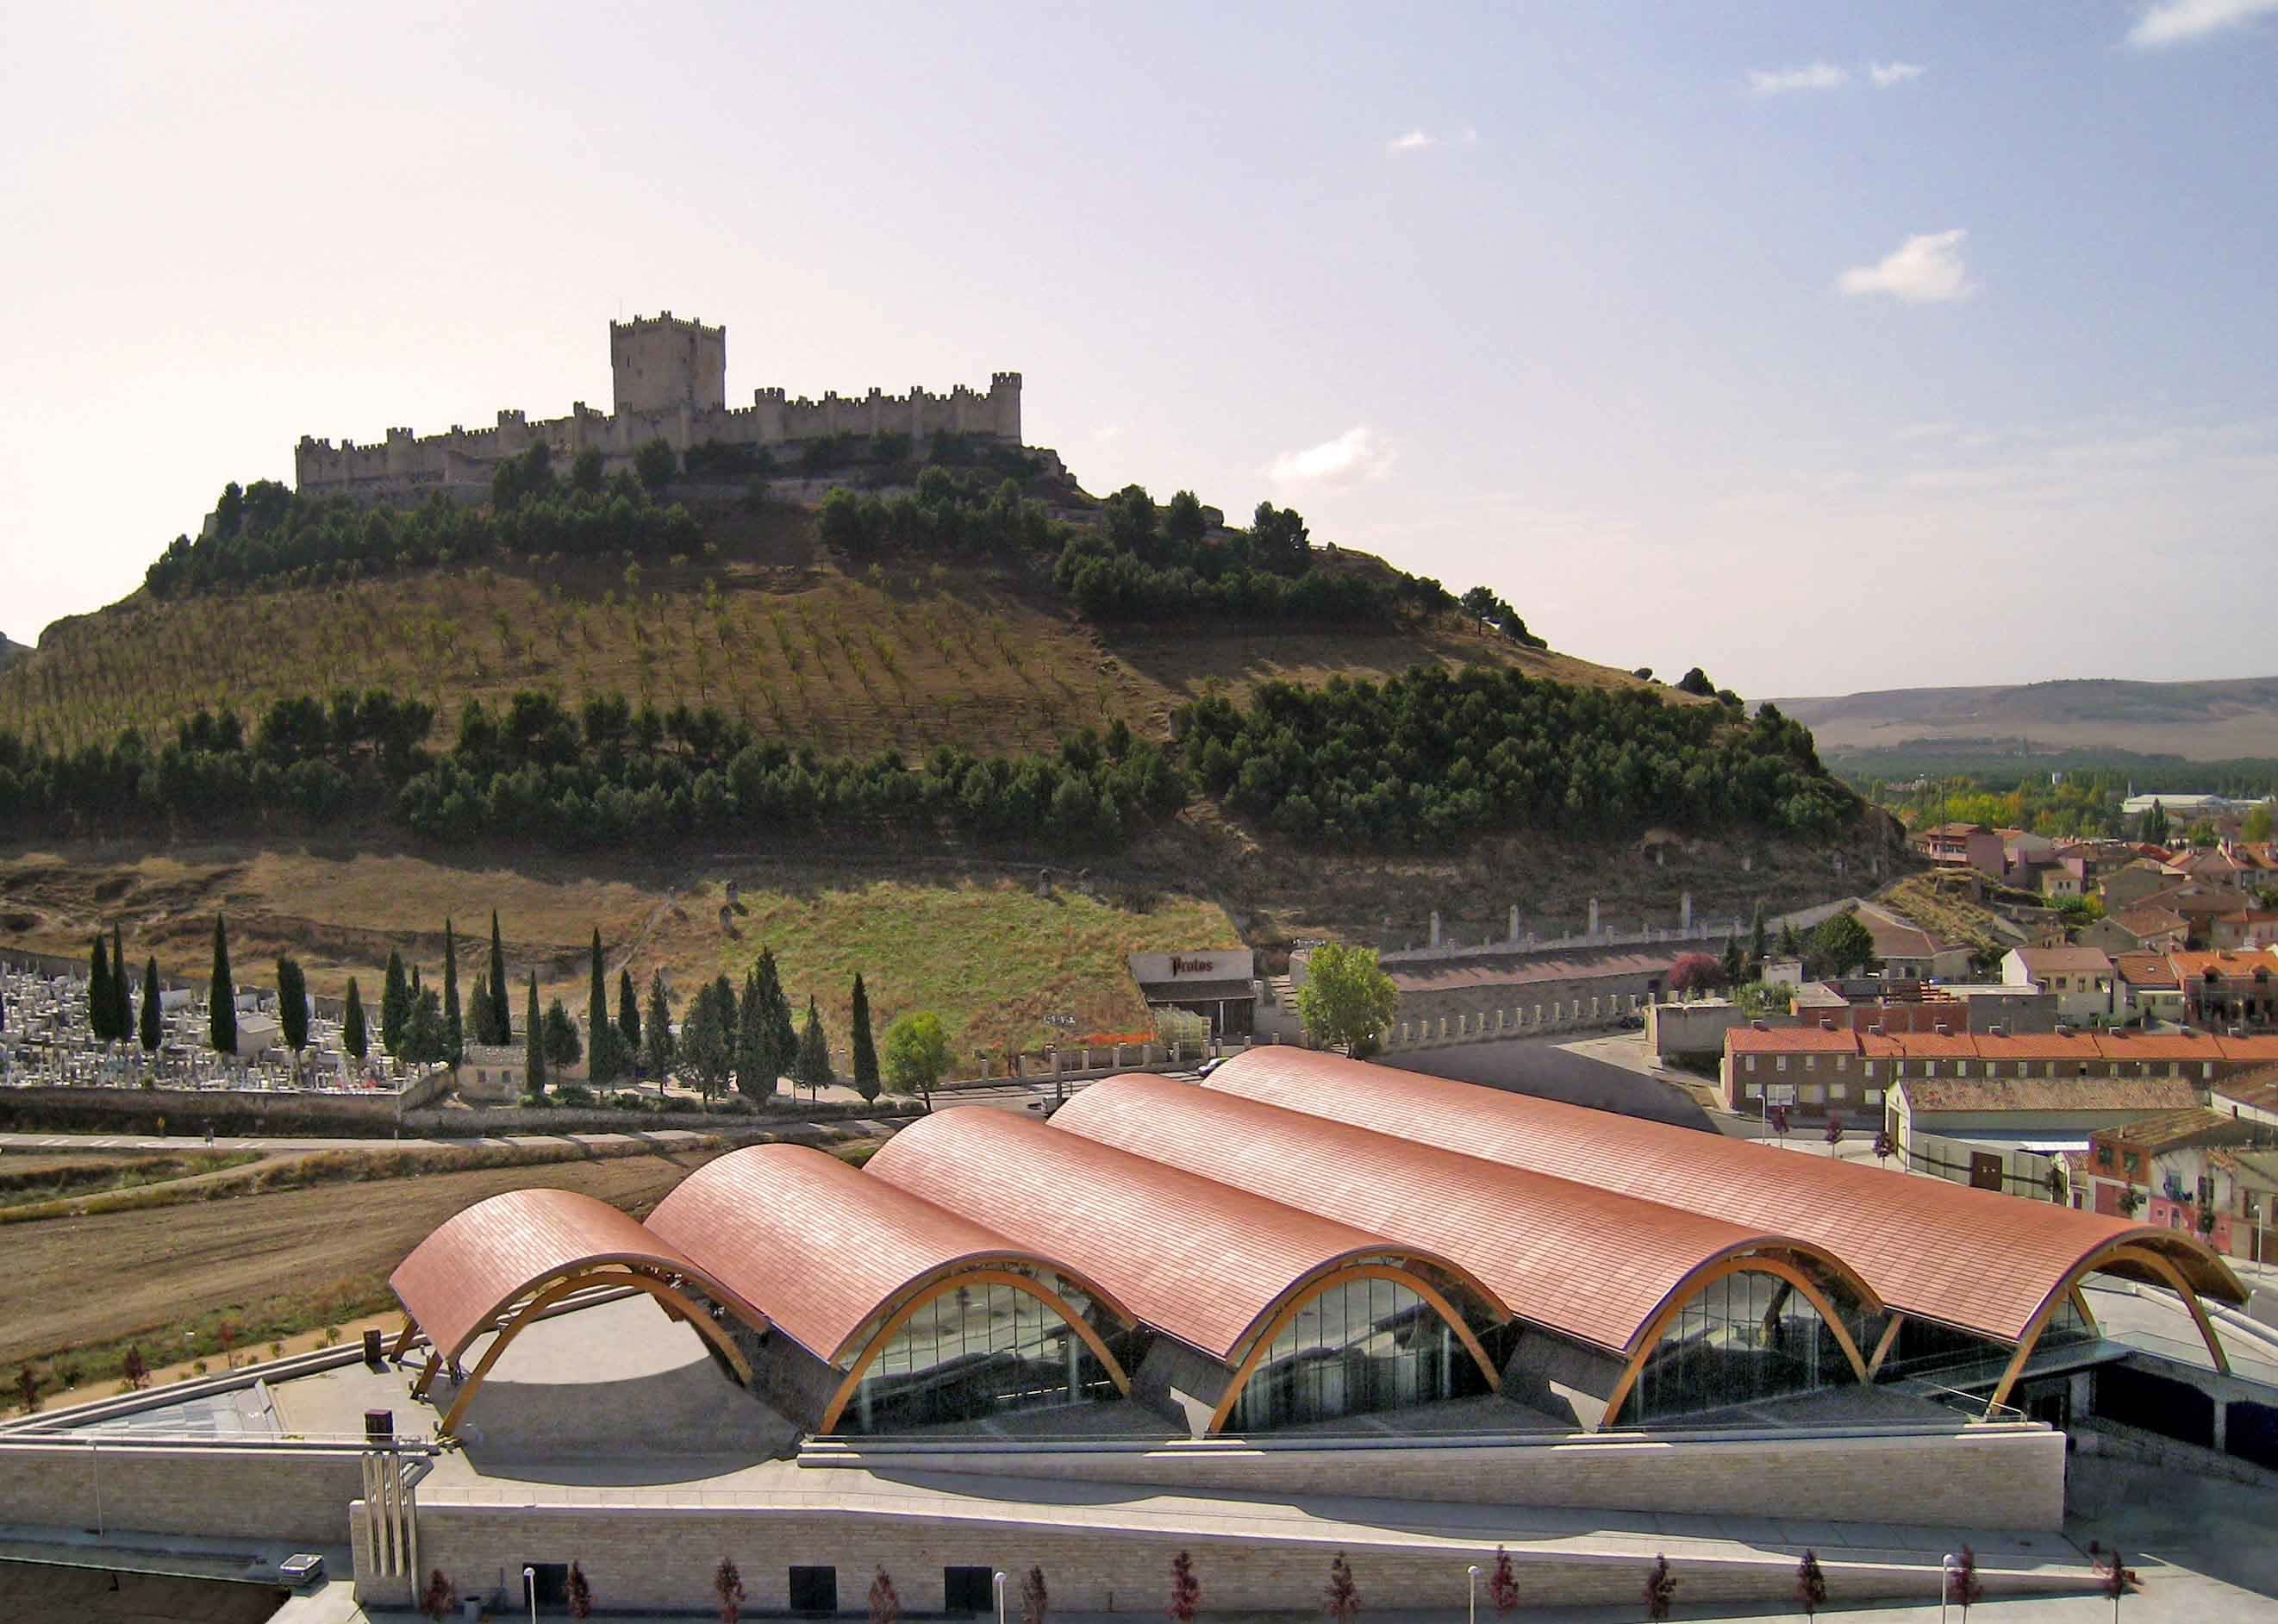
x,y
1193,967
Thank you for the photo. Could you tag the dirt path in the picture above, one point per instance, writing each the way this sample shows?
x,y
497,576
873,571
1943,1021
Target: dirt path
x,y
73,1282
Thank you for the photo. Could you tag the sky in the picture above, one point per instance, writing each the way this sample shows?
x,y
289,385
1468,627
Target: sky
x,y
1828,348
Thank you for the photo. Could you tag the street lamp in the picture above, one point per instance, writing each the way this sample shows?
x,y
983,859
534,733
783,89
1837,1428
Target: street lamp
x,y
1473,1573
530,1591
1945,1569
998,1579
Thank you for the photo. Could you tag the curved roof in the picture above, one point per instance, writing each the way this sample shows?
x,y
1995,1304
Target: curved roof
x,y
1583,1260
1978,1260
820,1247
1202,1261
478,1262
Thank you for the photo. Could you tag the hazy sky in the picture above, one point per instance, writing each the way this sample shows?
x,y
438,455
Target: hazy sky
x,y
1828,347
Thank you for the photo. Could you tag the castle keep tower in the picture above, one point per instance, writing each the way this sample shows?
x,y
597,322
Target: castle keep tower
x,y
661,365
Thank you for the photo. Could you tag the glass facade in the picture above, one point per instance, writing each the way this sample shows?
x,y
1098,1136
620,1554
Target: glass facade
x,y
1928,1349
1745,1336
1361,1346
973,1353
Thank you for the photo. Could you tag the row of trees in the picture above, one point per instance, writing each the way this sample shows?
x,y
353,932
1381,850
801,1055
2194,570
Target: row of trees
x,y
278,532
534,769
1429,756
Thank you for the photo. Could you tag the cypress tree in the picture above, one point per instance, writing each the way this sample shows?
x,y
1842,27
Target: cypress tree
x,y
783,1042
221,995
753,1050
601,1061
534,1041
293,1005
122,1002
394,1004
455,1031
1756,938
629,1017
502,1018
657,1029
865,1051
814,1050
98,990
152,1029
353,1038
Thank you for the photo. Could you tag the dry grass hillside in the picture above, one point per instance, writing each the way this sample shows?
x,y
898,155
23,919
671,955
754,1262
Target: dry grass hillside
x,y
764,624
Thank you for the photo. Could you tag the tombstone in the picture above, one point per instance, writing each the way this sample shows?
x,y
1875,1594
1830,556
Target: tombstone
x,y
1435,927
1043,882
1685,912
1748,865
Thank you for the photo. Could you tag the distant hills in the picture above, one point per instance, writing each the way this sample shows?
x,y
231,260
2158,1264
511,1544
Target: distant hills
x,y
2194,721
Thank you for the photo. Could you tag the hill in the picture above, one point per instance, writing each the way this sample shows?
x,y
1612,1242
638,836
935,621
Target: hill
x,y
2196,721
10,650
880,719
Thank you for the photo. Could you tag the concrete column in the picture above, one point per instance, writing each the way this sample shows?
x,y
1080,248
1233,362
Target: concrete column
x,y
1593,915
1513,935
1685,912
1435,927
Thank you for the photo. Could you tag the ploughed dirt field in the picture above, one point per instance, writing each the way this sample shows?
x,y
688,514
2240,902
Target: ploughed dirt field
x,y
69,1283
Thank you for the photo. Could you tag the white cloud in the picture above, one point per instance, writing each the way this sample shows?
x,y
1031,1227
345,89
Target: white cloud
x,y
1420,140
1107,434
1779,81
2171,22
1354,455
1925,270
1888,74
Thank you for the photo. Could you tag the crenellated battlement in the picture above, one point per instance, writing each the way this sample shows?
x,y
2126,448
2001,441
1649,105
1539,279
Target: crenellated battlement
x,y
669,376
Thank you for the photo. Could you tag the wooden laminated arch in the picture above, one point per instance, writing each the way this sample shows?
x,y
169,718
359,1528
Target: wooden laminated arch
x,y
943,1286
1693,1285
1307,1290
2133,1250
544,1293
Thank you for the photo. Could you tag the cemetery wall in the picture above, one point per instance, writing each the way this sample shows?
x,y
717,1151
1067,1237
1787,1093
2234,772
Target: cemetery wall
x,y
188,1110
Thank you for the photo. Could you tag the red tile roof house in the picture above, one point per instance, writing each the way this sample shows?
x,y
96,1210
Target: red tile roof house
x,y
2147,926
2080,976
2146,986
2162,1162
2226,989
1964,845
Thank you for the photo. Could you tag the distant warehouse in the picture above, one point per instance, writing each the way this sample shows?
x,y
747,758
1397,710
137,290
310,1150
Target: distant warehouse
x,y
1220,986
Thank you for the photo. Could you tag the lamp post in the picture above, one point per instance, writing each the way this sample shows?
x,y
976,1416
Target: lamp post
x,y
998,1580
1945,1582
530,1591
1472,1575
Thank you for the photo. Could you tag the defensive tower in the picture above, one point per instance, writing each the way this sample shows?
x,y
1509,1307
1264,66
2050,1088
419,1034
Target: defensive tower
x,y
658,364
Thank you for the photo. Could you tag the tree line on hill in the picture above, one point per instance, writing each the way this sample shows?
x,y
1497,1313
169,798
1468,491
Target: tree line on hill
x,y
1430,756
1418,762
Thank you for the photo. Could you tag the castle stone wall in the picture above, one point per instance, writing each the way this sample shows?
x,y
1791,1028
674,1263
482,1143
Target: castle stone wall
x,y
669,381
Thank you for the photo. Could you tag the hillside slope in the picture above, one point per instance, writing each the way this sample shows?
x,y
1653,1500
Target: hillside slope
x,y
2199,721
767,625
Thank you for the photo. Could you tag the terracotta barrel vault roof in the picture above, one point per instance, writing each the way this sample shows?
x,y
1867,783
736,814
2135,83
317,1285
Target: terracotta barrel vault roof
x,y
1579,1260
821,1248
478,1262
1202,1261
1983,1261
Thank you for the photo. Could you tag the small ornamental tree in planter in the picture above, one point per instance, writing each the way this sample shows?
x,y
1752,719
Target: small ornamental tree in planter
x,y
1963,1588
1035,1601
2114,1578
885,1601
439,1600
1883,1148
728,1586
1340,1600
1503,1585
1834,1131
1186,1590
578,1593
1810,1584
1660,1589
135,1370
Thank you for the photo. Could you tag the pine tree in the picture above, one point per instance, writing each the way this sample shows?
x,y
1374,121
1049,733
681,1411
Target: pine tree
x,y
629,1024
394,1004
353,1038
98,990
754,1052
865,1050
502,1010
600,1036
153,1027
658,1025
563,1048
534,1040
455,1031
221,995
1735,967
122,1003
782,1040
813,1067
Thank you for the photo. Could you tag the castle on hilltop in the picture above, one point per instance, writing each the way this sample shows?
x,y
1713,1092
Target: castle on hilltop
x,y
670,380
